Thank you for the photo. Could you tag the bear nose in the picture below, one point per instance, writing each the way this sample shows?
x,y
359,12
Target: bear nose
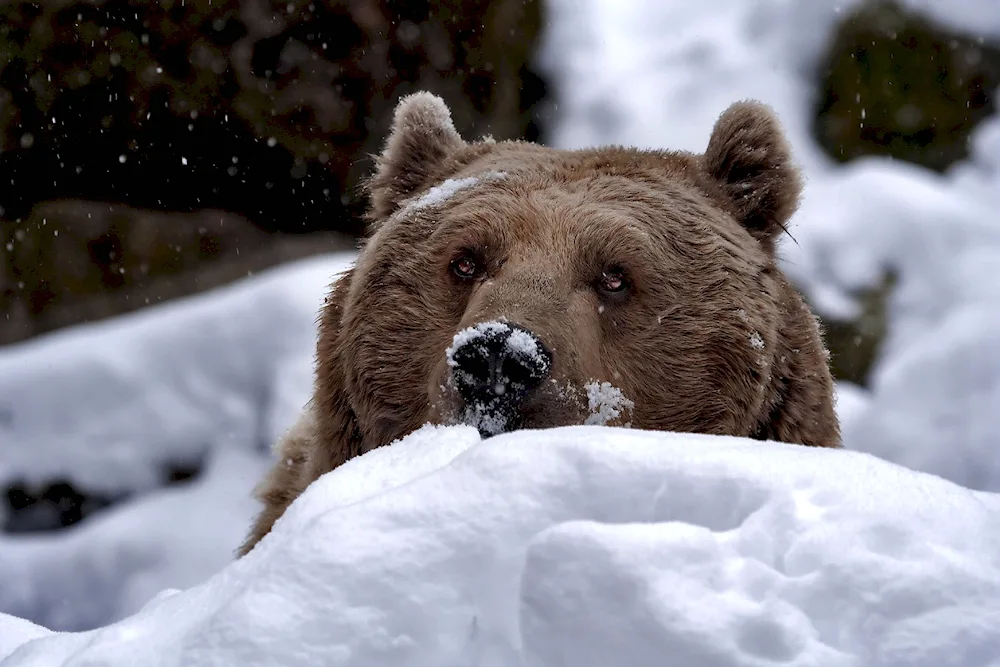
x,y
497,364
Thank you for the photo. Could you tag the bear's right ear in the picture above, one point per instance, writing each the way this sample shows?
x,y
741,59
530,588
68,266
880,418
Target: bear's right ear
x,y
422,136
750,159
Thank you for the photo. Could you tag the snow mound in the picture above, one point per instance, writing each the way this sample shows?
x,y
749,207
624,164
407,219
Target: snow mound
x,y
212,379
117,560
106,405
587,546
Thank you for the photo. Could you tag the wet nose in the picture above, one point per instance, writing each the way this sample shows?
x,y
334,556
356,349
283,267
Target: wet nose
x,y
498,364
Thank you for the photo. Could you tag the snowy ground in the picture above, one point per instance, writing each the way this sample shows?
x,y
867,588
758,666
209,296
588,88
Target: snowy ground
x,y
108,403
218,376
578,546
589,546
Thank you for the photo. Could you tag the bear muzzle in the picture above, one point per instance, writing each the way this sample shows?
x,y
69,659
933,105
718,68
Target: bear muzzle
x,y
494,367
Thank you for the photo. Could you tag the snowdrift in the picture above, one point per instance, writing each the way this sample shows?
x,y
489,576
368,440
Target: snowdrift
x,y
587,546
107,404
211,379
115,561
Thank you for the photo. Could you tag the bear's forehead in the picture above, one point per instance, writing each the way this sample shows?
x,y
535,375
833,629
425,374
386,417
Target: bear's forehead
x,y
557,220
612,179
565,189
546,167
621,199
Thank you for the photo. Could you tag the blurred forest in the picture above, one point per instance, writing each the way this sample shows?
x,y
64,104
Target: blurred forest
x,y
153,150
149,150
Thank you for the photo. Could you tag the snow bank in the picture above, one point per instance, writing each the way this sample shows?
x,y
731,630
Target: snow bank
x,y
107,404
113,563
658,74
588,546
16,631
215,377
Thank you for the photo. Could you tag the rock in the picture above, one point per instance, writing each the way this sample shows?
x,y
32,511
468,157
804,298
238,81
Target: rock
x,y
855,344
895,83
75,261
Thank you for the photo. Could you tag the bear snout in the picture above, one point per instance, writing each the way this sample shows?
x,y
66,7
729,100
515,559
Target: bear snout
x,y
494,366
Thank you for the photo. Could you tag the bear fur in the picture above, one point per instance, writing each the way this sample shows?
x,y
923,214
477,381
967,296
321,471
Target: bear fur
x,y
697,330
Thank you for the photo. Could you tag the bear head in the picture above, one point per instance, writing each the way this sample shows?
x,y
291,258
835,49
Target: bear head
x,y
509,285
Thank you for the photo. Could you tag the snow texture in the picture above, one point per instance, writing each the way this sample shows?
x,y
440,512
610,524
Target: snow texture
x,y
472,334
440,194
488,419
658,74
16,631
114,562
519,343
107,404
214,378
523,344
587,546
606,403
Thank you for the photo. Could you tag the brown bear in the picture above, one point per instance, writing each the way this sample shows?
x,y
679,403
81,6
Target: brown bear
x,y
509,285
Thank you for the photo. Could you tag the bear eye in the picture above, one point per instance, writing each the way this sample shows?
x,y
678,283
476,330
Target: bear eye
x,y
465,267
613,280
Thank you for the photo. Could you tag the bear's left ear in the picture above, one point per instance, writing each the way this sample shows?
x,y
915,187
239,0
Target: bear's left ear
x,y
751,160
422,136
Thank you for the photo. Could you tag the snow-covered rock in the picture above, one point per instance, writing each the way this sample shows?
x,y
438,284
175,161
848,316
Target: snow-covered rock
x,y
587,546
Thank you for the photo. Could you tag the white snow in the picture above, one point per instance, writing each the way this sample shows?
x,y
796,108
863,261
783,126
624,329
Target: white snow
x,y
107,404
115,561
525,345
218,376
16,631
588,546
851,402
606,403
440,194
486,418
518,342
474,333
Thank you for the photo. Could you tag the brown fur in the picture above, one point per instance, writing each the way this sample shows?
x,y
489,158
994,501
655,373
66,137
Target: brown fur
x,y
710,337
